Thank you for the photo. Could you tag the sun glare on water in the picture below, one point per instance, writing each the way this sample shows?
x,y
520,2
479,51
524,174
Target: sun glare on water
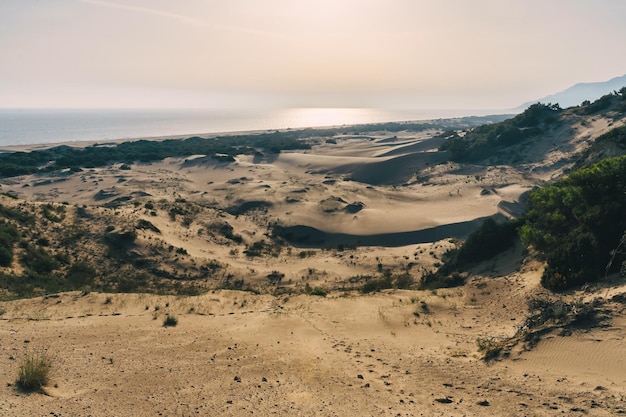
x,y
316,117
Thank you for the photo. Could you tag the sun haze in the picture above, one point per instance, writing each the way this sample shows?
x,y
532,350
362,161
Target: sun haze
x,y
293,53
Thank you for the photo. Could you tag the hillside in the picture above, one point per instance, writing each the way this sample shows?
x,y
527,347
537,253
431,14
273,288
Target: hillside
x,y
575,223
542,135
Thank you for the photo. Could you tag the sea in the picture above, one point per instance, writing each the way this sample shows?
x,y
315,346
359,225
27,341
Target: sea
x,y
48,126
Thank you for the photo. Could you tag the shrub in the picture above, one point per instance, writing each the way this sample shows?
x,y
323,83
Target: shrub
x,y
8,237
578,223
319,292
275,277
52,213
34,370
256,249
600,104
227,231
378,284
440,279
490,239
387,281
81,274
39,260
489,347
403,281
6,256
170,321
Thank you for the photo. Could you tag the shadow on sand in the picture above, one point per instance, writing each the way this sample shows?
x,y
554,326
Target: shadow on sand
x,y
310,237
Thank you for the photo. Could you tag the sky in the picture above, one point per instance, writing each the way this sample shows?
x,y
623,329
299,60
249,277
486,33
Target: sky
x,y
392,54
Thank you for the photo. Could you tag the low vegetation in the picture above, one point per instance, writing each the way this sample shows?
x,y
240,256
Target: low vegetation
x,y
386,281
40,256
490,347
34,370
481,142
75,159
320,292
490,239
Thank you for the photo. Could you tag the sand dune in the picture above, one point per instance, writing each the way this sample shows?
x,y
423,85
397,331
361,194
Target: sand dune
x,y
284,352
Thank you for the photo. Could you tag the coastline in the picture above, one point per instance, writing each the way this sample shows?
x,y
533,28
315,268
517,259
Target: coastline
x,y
86,143
68,130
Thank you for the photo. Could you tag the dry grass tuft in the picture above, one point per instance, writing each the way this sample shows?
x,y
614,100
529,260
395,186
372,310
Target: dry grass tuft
x,y
34,370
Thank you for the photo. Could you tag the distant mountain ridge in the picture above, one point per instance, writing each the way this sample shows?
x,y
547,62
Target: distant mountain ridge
x,y
580,92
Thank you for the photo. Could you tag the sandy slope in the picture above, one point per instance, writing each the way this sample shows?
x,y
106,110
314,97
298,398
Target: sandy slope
x,y
237,354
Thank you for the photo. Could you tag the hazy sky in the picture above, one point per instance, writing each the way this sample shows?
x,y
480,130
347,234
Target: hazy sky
x,y
310,53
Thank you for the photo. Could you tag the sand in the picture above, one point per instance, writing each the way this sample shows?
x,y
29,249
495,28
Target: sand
x,y
234,353
396,353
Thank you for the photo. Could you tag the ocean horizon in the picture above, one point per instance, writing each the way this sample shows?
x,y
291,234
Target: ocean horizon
x,y
47,126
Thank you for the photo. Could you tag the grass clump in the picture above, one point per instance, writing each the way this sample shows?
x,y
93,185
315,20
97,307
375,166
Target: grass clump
x,y
34,370
170,321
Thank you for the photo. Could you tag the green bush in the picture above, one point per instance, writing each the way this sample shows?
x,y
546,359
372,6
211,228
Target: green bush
x,y
55,214
578,222
319,292
599,105
441,279
403,281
